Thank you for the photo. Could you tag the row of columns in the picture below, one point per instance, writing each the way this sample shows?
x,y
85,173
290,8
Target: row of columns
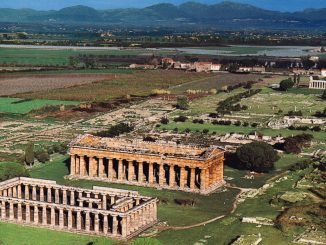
x,y
111,224
58,196
164,175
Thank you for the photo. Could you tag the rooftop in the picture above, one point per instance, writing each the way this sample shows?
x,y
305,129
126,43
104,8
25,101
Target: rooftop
x,y
165,149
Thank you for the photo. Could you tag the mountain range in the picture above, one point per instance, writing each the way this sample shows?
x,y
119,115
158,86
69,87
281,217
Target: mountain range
x,y
191,14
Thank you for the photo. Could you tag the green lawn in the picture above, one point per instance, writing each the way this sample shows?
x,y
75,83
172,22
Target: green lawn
x,y
23,106
11,234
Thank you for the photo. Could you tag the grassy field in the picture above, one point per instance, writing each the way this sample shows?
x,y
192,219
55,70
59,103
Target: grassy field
x,y
216,82
270,102
23,56
22,106
140,83
224,129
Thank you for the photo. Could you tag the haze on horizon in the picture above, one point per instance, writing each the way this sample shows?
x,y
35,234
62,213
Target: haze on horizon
x,y
279,5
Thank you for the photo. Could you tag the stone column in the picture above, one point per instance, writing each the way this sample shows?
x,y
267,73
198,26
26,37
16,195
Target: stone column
x,y
124,227
171,176
150,173
80,195
202,179
3,210
112,199
44,216
120,170
10,192
101,168
182,177
19,191
105,224
27,192
72,198
61,218
96,223
110,169
77,165
192,178
64,197
49,195
11,210
35,214
104,202
92,167
78,221
114,225
140,172
34,193
161,174
14,191
82,166
87,221
19,212
131,170
69,219
72,165
57,196
41,194
28,213
52,216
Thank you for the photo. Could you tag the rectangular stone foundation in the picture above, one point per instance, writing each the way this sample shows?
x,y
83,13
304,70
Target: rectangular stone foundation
x,y
114,213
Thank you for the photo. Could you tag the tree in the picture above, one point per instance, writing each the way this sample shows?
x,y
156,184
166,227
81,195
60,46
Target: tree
x,y
285,85
257,156
182,103
29,153
42,156
12,170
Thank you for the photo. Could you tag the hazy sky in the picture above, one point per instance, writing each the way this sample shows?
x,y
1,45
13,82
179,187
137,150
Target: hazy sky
x,y
282,5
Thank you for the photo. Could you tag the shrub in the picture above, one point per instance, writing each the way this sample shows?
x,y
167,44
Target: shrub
x,y
42,156
116,130
187,130
149,139
182,103
12,170
180,119
296,143
164,120
205,131
237,123
257,156
285,85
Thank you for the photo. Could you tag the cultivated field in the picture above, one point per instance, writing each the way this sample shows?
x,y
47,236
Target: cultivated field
x,y
22,106
24,83
217,81
115,86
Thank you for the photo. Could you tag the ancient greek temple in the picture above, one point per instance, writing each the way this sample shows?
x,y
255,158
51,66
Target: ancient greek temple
x,y
114,213
160,165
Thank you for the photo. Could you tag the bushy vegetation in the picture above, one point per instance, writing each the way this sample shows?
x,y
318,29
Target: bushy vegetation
x,y
116,130
295,144
11,170
182,103
285,85
257,156
180,119
232,103
321,113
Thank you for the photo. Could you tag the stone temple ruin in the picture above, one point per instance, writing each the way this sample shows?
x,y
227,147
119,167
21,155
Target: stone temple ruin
x,y
114,213
160,165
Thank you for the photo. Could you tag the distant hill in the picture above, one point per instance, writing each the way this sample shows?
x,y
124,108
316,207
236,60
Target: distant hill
x,y
191,14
